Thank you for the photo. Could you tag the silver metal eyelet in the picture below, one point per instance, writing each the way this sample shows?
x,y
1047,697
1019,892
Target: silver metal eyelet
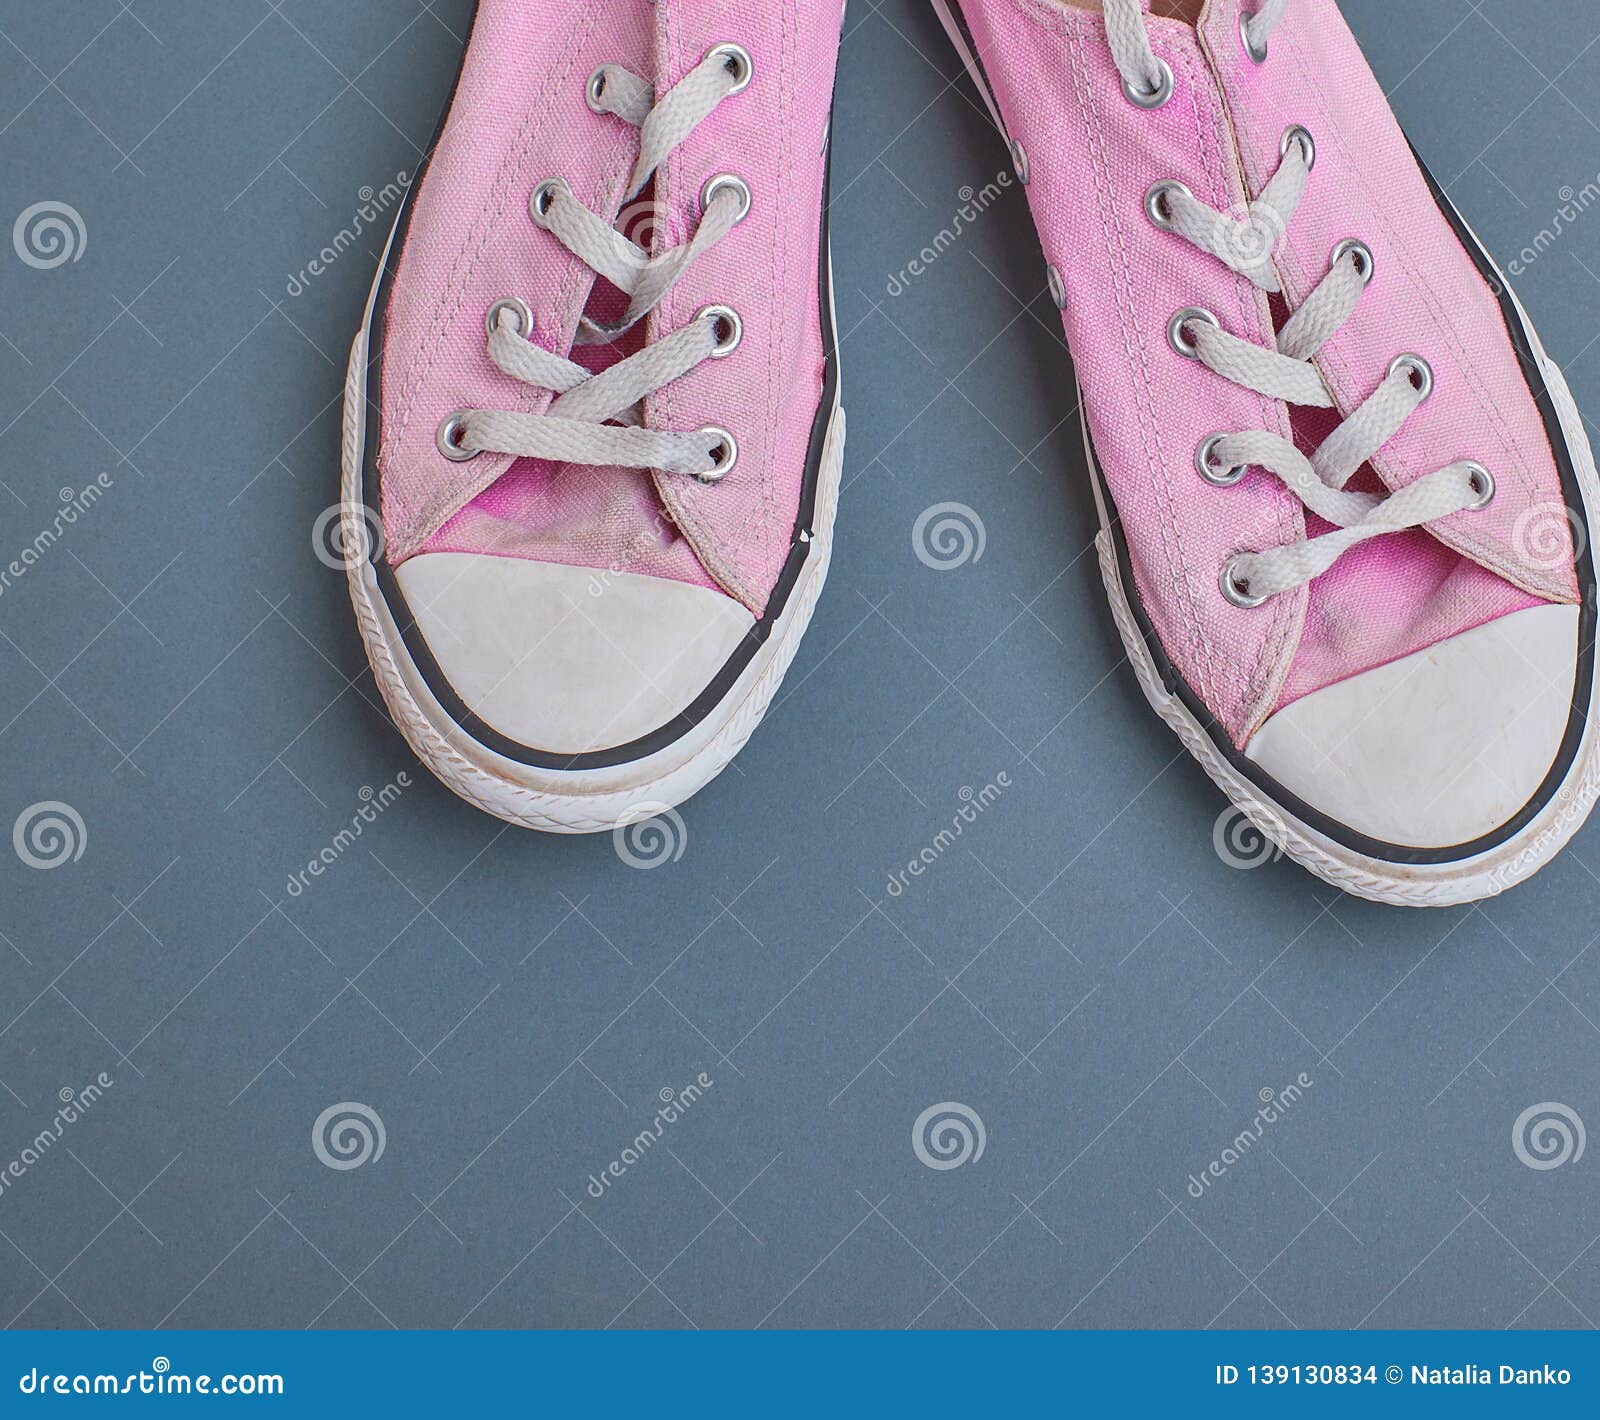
x,y
729,329
1295,133
1421,372
1019,160
544,197
449,439
727,182
739,64
1181,342
518,308
1235,587
1058,288
1366,263
1155,201
1481,482
1206,463
594,91
1257,55
725,454
1152,98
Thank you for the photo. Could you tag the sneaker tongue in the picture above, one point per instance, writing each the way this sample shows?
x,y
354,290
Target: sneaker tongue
x,y
1189,11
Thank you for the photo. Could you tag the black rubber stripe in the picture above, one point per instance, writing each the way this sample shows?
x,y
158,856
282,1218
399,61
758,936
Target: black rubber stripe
x,y
801,544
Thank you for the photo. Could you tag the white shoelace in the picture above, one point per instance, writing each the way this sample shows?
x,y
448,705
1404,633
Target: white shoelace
x,y
1286,373
598,419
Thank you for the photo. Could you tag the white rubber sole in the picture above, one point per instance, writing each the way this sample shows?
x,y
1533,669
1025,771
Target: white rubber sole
x,y
1378,880
560,801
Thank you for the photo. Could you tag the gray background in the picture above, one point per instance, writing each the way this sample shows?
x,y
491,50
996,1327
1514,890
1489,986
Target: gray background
x,y
1082,970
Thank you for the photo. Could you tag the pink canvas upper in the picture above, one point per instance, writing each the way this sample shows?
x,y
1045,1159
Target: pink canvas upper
x,y
1092,156
520,116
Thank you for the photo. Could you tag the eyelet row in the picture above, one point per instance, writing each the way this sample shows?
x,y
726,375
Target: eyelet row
x,y
1157,206
724,453
729,328
1236,587
734,56
1161,92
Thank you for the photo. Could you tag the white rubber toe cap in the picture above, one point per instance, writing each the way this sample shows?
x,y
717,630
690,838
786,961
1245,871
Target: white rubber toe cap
x,y
1440,748
568,660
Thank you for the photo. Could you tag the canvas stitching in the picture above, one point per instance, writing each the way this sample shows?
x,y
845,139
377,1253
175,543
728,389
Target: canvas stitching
x,y
487,223
1275,651
1119,266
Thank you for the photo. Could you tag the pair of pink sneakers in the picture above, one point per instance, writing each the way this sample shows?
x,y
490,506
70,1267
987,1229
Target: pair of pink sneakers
x,y
1345,497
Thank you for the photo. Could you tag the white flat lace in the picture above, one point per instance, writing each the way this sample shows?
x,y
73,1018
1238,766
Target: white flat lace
x,y
598,418
1286,373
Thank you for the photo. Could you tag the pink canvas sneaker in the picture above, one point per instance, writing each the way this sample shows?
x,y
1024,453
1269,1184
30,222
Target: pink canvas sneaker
x,y
605,415
1345,496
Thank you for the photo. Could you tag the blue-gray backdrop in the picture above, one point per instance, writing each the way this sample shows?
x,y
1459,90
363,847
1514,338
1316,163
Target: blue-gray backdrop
x,y
1080,984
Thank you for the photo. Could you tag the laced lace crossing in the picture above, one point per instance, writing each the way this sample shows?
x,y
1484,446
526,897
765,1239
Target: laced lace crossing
x,y
1286,372
599,418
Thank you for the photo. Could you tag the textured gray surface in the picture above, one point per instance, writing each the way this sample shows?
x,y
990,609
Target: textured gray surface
x,y
1080,969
